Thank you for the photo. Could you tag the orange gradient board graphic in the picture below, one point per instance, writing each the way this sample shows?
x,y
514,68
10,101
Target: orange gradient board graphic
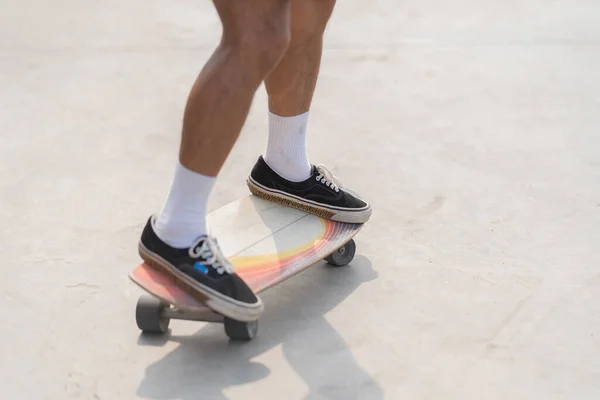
x,y
267,243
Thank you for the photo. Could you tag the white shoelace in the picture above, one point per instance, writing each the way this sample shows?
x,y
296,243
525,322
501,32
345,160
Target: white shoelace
x,y
211,253
328,178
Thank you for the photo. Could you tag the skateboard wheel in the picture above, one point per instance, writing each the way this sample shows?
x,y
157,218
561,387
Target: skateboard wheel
x,y
238,330
342,256
149,315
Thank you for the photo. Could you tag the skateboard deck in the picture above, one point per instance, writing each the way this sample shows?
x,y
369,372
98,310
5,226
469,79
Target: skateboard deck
x,y
267,243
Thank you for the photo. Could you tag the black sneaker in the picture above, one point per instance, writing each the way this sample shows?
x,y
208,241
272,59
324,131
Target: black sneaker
x,y
321,194
203,268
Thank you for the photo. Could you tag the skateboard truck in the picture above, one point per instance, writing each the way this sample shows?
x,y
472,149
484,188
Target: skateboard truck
x,y
152,315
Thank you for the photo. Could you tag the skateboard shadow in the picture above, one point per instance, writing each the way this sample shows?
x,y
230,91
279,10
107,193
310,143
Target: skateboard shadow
x,y
207,364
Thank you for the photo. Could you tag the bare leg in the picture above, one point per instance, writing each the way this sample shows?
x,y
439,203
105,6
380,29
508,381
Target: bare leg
x,y
255,36
291,84
290,87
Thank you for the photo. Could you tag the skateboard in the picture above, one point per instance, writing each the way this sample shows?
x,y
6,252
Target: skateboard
x,y
267,243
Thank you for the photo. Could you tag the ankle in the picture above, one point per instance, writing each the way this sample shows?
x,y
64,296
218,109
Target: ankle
x,y
286,147
183,217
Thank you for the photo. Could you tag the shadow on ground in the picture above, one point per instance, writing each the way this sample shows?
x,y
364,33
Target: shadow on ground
x,y
206,363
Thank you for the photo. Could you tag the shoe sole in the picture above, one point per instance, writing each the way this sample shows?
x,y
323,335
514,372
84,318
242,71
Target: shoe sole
x,y
218,302
359,216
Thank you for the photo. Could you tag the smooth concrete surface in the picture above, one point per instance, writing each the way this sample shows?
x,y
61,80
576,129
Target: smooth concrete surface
x,y
472,127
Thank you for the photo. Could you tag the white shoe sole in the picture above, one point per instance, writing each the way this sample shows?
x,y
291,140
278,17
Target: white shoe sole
x,y
358,216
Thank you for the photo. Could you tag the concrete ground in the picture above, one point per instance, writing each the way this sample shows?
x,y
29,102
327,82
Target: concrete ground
x,y
471,126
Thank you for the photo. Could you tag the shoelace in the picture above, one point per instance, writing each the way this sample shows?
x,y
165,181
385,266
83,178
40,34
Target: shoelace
x,y
211,253
328,178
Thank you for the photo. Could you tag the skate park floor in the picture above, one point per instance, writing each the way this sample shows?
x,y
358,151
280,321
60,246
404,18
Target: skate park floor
x,y
471,127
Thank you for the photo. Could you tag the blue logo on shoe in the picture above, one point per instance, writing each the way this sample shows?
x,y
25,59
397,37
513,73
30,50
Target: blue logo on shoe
x,y
201,267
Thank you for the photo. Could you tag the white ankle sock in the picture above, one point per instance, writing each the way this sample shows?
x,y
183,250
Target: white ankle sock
x,y
286,147
183,217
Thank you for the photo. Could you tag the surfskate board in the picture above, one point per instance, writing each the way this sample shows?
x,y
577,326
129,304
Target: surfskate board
x,y
267,243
